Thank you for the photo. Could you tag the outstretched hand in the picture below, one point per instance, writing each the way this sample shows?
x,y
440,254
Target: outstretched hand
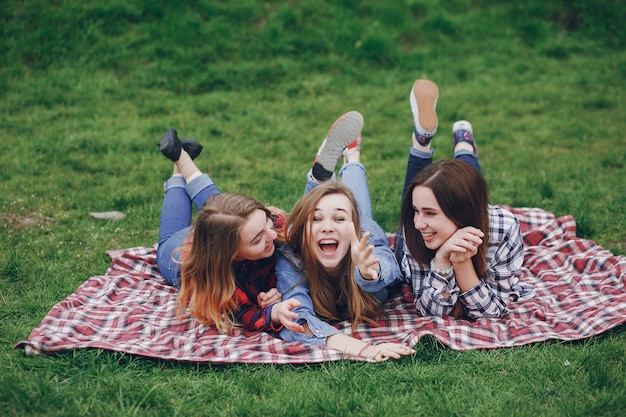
x,y
362,257
282,313
385,351
266,299
377,353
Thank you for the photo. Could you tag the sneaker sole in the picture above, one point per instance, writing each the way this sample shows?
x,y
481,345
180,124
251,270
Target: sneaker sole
x,y
345,130
424,95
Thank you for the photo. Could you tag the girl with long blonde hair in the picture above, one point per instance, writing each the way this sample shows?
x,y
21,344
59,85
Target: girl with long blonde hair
x,y
337,262
224,264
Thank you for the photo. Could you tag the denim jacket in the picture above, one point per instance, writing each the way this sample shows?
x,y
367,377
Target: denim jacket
x,y
292,284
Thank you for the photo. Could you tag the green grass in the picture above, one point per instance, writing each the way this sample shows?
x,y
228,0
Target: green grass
x,y
87,88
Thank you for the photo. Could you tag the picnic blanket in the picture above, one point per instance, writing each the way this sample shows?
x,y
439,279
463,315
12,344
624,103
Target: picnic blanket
x,y
579,293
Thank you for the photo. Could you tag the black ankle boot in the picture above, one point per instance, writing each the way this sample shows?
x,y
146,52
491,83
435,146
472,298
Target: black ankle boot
x,y
192,147
170,146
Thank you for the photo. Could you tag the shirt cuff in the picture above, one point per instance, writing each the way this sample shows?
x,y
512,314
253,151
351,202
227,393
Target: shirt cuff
x,y
268,320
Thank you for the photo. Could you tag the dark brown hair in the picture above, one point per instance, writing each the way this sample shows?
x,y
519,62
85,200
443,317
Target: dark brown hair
x,y
463,196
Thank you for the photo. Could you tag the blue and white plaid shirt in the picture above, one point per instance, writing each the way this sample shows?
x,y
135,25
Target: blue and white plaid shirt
x,y
505,255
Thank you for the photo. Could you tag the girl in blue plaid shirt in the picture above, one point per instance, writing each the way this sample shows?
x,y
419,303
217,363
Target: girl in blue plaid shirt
x,y
460,254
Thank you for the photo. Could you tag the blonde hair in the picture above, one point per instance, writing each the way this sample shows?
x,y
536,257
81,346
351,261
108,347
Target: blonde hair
x,y
327,291
207,283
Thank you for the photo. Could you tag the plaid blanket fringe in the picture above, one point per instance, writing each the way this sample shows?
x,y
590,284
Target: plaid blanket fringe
x,y
579,293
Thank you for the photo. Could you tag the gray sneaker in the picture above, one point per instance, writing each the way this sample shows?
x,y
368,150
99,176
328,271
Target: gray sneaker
x,y
346,129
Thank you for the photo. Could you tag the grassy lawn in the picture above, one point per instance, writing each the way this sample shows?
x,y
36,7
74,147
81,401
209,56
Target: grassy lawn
x,y
87,88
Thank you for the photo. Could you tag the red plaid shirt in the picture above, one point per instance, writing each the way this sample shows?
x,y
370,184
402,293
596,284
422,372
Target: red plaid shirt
x,y
254,277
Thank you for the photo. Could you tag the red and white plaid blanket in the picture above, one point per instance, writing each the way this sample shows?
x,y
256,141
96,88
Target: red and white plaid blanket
x,y
579,293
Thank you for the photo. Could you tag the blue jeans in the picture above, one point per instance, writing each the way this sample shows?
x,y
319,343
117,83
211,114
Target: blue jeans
x,y
418,160
175,222
354,177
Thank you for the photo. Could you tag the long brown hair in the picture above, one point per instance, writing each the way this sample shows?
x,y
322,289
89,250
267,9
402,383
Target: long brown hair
x,y
463,196
327,291
207,281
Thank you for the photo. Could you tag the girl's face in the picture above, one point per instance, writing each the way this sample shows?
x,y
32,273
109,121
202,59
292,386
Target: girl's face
x,y
330,232
428,218
257,238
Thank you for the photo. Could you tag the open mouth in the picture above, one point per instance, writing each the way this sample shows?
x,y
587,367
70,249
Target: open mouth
x,y
328,246
428,235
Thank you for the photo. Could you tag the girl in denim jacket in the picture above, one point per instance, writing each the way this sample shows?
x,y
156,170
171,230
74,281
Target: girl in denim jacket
x,y
336,261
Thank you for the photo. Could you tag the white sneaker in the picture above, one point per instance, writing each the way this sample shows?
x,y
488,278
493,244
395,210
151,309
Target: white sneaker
x,y
462,131
423,99
351,149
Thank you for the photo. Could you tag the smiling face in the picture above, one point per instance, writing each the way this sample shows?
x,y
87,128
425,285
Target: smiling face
x,y
428,218
330,232
257,238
